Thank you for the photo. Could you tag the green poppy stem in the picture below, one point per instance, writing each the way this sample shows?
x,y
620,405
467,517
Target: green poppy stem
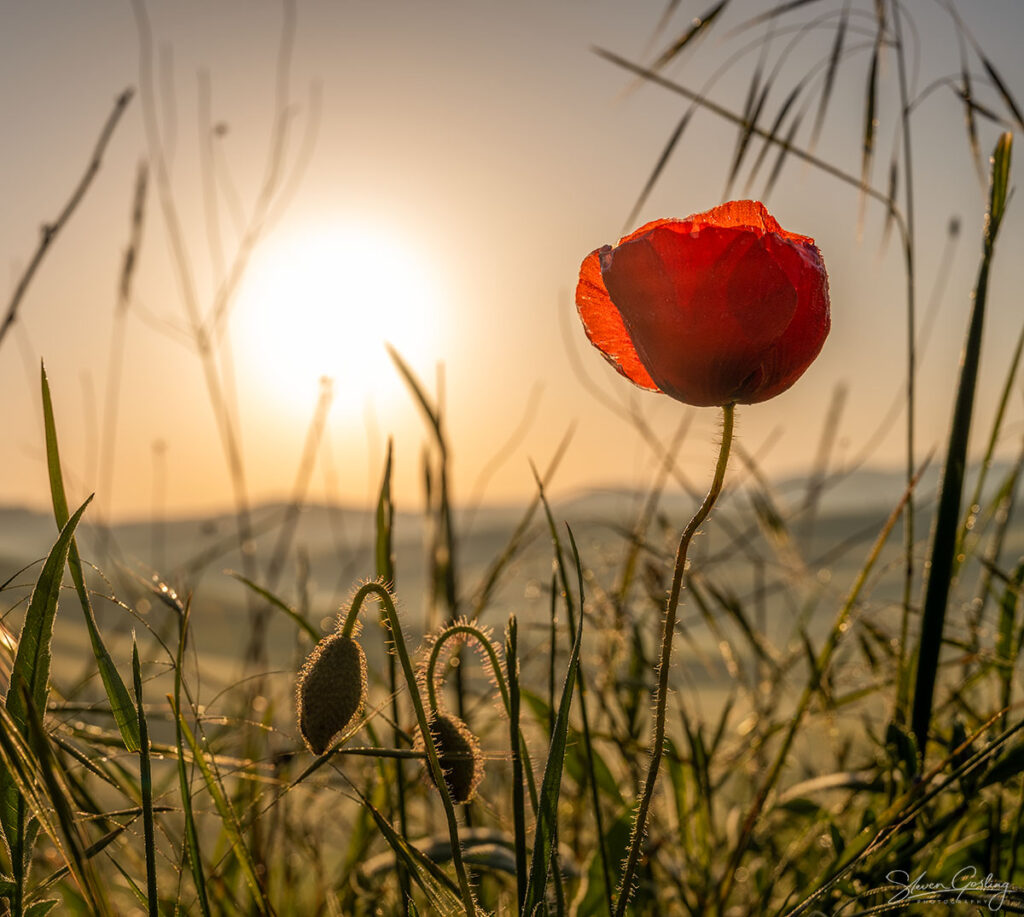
x,y
384,597
661,691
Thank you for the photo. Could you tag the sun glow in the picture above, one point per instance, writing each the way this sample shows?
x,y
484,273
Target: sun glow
x,y
324,303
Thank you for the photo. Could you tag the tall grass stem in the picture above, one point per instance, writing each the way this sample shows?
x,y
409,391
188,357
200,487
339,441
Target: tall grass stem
x,y
941,567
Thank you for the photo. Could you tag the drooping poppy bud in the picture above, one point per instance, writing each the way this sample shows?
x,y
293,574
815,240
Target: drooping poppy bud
x,y
722,307
331,690
458,753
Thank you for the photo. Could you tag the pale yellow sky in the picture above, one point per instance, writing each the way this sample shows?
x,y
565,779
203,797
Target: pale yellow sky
x,y
448,166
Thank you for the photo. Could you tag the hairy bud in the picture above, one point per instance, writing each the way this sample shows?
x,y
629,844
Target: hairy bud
x,y
331,690
458,752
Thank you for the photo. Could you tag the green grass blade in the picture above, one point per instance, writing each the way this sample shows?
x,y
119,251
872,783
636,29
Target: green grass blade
x,y
32,671
117,694
659,166
385,565
1003,89
773,131
32,662
385,558
584,716
547,815
432,414
974,507
870,114
698,27
21,800
756,99
518,796
830,74
228,816
443,899
146,787
275,602
944,539
195,859
60,798
967,94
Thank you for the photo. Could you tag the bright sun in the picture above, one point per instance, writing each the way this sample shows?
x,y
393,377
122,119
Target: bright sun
x,y
324,303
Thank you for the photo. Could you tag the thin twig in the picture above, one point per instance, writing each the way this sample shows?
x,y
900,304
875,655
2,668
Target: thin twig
x,y
50,230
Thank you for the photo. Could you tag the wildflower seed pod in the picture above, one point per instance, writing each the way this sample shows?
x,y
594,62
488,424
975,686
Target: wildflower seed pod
x,y
331,690
458,752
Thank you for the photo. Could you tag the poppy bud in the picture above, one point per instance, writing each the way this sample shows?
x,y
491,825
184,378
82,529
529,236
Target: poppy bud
x,y
458,753
331,690
723,307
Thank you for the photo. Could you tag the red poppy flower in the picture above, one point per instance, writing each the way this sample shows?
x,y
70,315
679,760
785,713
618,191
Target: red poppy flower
x,y
723,307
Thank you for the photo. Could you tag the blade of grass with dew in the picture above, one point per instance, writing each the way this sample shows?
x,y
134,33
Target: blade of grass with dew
x,y
145,787
444,561
1001,508
194,854
819,666
228,816
966,93
18,773
1006,649
870,116
519,538
518,796
659,166
385,566
1003,89
830,74
32,669
903,810
773,132
94,848
547,815
698,27
117,694
974,506
592,897
360,837
785,148
60,798
756,99
584,716
278,603
940,571
727,114
576,763
443,897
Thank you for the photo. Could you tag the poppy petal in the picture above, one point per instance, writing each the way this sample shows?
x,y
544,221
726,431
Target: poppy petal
x,y
722,307
678,295
603,324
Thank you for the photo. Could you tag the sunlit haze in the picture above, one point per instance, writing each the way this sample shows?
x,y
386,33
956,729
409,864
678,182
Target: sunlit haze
x,y
431,176
323,303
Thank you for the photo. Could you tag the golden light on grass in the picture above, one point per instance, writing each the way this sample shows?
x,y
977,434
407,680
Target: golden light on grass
x,y
324,302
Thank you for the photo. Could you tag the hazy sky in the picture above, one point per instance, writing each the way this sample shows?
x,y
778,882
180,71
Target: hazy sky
x,y
446,168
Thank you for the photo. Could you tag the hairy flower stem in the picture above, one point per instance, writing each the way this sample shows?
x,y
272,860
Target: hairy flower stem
x,y
381,593
661,691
